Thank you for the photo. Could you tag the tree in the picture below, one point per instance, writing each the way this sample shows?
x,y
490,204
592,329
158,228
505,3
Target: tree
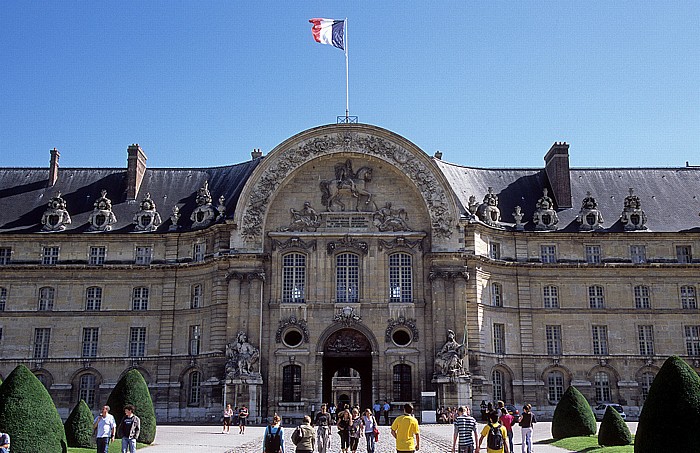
x,y
29,415
573,416
613,429
672,409
78,426
132,389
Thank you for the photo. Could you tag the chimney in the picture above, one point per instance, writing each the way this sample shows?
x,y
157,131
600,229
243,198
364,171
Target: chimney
x,y
135,169
53,167
556,166
256,153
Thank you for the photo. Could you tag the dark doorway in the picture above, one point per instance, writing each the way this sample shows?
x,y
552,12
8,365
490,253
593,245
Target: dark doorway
x,y
348,348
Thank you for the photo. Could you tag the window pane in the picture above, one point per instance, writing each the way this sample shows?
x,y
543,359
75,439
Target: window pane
x,y
498,386
88,385
646,340
551,296
403,385
293,278
195,388
140,299
692,340
93,298
5,253
600,340
90,338
137,342
499,338
46,298
596,298
400,278
688,297
496,295
593,254
196,296
555,386
641,297
42,337
50,255
97,255
553,334
602,387
3,298
291,383
195,338
638,254
347,278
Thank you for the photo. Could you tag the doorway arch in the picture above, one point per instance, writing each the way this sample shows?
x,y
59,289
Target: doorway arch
x,y
347,348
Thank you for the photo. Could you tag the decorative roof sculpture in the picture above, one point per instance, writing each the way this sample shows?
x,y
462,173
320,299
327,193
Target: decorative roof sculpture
x,y
633,216
545,217
488,211
147,219
204,214
589,217
102,218
56,217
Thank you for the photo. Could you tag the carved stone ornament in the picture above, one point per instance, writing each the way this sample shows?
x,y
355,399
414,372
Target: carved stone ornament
x,y
448,273
449,361
422,176
347,242
518,216
246,276
102,218
488,211
56,217
295,243
292,321
346,186
400,242
204,214
473,205
221,209
633,216
174,219
347,317
392,324
589,216
304,219
391,219
147,219
241,358
545,217
347,341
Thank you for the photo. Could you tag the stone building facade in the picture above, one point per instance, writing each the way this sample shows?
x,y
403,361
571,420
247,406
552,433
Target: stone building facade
x,y
348,265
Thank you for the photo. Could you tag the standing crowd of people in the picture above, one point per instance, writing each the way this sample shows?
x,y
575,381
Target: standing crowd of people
x,y
498,431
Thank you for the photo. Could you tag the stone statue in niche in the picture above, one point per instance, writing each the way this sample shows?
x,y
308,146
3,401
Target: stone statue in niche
x,y
347,184
450,360
102,218
221,209
589,216
304,219
633,216
391,219
174,218
545,217
56,217
240,357
147,219
488,211
204,214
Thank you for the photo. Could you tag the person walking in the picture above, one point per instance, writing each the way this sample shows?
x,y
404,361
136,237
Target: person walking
x,y
527,421
273,440
228,415
242,419
465,431
355,431
495,435
4,443
406,432
323,422
304,437
105,428
507,421
129,429
344,421
369,424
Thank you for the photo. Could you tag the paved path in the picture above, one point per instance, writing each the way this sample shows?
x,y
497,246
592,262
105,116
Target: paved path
x,y
209,439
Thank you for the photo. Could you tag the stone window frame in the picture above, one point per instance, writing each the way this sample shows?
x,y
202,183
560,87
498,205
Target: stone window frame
x,y
599,336
91,338
550,300
593,253
291,383
602,387
348,278
87,391
642,296
555,390
688,296
143,255
596,297
140,296
553,337
97,255
196,295
548,253
638,253
194,388
645,380
138,341
46,298
3,297
42,342
194,346
402,382
684,253
499,338
199,251
294,277
93,298
5,255
496,290
50,254
692,340
401,279
494,250
498,384
645,337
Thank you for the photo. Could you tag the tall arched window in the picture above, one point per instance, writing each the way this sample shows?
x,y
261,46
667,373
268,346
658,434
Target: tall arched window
x,y
293,278
46,298
403,384
88,386
602,387
93,298
291,383
400,278
645,385
194,396
555,386
498,381
347,278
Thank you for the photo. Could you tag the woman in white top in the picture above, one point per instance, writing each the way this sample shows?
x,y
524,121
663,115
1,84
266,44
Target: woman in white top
x,y
228,414
369,424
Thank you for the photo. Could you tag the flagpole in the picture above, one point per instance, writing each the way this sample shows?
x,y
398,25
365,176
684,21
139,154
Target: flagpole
x,y
347,92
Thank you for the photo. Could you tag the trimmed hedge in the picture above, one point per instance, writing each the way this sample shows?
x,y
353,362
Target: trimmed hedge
x,y
573,416
28,414
671,412
132,389
613,429
78,426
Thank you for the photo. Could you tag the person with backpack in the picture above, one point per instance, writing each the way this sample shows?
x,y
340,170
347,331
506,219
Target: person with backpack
x,y
495,435
465,430
527,421
304,437
273,440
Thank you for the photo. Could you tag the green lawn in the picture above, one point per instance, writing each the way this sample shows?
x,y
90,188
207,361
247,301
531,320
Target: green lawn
x,y
114,447
587,444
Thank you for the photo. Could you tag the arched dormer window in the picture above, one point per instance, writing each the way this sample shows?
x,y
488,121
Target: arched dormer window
x,y
294,278
400,277
347,278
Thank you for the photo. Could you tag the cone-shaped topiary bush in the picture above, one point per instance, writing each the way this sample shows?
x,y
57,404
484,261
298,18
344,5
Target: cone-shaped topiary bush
x,y
573,416
613,429
28,414
132,389
673,406
78,426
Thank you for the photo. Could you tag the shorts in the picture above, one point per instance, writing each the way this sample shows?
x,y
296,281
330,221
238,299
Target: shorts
x,y
227,421
241,421
466,449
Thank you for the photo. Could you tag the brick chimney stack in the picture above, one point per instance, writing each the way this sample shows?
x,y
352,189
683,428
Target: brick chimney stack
x,y
556,166
136,168
53,167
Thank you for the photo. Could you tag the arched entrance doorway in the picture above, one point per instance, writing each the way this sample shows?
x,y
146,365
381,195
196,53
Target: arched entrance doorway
x,y
347,360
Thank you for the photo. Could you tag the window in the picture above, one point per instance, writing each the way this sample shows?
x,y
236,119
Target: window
x,y
550,294
692,340
596,298
195,338
46,298
3,298
5,253
645,385
593,254
93,298
499,338
90,336
638,254
684,254
548,253
293,278
498,386
42,337
143,255
194,396
602,386
347,278
196,296
97,255
137,342
49,255
688,297
495,250
641,297
400,278
198,251
553,334
555,386
88,385
140,299
291,383
403,384
496,295
646,340
600,340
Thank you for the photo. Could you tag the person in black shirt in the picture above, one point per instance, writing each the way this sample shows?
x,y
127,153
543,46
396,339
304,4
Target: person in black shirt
x,y
323,421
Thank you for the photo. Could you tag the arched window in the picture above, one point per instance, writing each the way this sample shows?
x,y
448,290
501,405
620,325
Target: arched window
x,y
498,381
496,295
400,278
93,298
3,298
140,298
194,392
555,386
602,387
87,388
641,297
291,383
196,296
46,298
403,384
596,297
347,278
550,295
645,385
294,278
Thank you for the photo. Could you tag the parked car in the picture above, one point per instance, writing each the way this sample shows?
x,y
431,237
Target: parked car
x,y
599,410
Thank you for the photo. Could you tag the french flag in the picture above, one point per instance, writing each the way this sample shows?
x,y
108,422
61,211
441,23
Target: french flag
x,y
329,31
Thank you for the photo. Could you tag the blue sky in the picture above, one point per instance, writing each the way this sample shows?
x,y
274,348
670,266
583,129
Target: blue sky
x,y
490,84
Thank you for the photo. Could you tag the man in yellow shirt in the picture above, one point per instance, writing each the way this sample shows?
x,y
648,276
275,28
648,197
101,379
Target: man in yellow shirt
x,y
503,442
404,428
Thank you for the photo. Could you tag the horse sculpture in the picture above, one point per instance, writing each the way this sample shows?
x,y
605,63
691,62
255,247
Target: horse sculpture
x,y
347,184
